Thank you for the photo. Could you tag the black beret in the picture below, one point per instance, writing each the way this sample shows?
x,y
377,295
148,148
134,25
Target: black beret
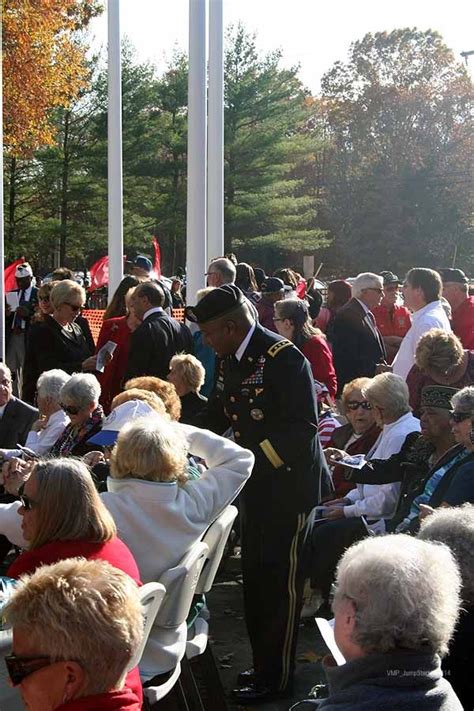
x,y
216,303
456,275
437,396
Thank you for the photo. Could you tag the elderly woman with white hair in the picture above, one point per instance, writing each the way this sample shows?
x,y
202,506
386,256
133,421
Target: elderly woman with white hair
x,y
366,508
396,604
160,510
187,374
455,528
356,341
52,421
79,399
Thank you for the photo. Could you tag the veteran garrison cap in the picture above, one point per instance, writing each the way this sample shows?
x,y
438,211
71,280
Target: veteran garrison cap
x,y
215,304
437,396
456,275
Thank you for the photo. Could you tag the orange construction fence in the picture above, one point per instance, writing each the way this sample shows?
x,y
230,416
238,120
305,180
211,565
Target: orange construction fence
x,y
96,316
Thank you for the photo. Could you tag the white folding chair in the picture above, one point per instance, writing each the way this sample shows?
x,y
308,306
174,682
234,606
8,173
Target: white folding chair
x,y
151,597
180,584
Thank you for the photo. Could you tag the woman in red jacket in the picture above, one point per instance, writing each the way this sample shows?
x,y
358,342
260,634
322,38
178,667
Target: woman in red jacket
x,y
293,321
63,517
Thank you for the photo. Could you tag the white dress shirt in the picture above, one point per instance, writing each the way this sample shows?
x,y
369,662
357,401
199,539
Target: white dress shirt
x,y
241,349
42,441
430,316
154,310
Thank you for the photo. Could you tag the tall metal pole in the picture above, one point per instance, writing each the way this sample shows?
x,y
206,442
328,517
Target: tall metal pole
x,y
215,133
196,258
114,148
2,233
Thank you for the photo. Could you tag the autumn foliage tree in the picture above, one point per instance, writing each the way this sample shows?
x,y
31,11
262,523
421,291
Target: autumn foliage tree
x,y
43,66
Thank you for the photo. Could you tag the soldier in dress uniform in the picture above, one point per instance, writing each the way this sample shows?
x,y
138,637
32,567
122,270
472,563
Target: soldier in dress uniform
x,y
265,392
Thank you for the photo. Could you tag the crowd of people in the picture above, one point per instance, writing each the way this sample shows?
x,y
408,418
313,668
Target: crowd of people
x,y
342,425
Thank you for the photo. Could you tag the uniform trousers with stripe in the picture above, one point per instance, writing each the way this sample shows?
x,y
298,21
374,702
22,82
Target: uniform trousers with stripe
x,y
273,576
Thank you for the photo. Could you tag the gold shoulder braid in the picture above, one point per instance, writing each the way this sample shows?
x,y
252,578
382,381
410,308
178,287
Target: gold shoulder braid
x,y
277,347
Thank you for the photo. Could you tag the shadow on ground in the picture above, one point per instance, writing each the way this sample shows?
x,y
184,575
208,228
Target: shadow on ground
x,y
231,648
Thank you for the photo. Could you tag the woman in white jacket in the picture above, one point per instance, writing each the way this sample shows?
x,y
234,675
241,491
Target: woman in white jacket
x,y
160,512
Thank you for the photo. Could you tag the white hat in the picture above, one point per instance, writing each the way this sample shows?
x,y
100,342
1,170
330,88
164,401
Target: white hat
x,y
128,411
23,270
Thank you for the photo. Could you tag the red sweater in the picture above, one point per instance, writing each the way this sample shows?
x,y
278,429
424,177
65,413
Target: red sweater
x,y
114,552
124,700
116,330
319,354
463,322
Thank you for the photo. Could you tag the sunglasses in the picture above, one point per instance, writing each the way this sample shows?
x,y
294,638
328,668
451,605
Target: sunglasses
x,y
460,416
73,307
355,404
20,667
69,409
44,298
25,500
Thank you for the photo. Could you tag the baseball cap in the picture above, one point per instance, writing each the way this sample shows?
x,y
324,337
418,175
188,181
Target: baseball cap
x,y
389,278
23,270
454,275
272,285
126,412
143,262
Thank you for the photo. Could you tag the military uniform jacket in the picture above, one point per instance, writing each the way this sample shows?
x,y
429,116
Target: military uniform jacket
x,y
268,399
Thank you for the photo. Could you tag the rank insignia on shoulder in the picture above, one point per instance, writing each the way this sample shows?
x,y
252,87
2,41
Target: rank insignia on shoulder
x,y
277,347
257,415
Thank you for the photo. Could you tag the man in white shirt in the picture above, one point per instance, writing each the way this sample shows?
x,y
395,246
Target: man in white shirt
x,y
422,293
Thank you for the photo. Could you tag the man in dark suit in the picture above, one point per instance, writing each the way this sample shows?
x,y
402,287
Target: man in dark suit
x,y
265,392
357,344
158,338
16,416
21,305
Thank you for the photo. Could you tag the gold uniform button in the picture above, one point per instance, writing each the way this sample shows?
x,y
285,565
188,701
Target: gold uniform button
x,y
232,398
251,400
288,469
237,434
235,417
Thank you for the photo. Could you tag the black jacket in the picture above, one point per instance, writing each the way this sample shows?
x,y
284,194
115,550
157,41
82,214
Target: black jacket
x,y
154,343
268,399
357,345
50,346
16,422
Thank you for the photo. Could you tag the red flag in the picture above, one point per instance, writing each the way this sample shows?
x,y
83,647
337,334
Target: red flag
x,y
156,271
9,275
99,273
301,289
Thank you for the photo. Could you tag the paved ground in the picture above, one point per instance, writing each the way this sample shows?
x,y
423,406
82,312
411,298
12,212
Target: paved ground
x,y
232,650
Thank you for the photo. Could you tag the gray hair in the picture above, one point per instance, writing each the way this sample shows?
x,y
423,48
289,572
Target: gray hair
x,y
405,592
366,280
81,389
225,268
389,392
8,372
66,290
455,528
464,400
50,384
85,611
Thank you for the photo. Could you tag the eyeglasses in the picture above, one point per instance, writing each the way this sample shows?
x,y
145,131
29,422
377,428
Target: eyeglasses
x,y
355,404
74,307
25,500
460,416
374,288
21,667
69,409
6,383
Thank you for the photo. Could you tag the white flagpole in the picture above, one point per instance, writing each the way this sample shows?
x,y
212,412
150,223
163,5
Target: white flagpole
x,y
196,257
2,232
215,135
114,148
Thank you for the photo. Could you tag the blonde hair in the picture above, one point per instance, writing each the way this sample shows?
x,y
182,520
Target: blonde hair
x,y
166,391
81,610
151,399
66,290
201,293
150,448
69,507
439,351
190,369
348,389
